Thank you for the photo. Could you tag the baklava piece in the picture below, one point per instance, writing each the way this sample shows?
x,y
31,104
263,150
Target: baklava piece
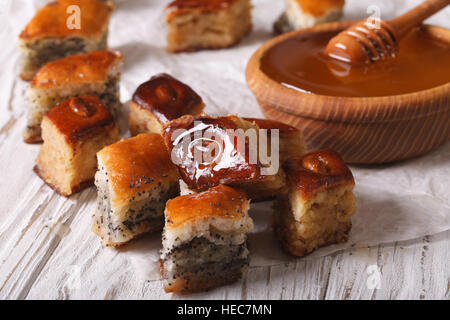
x,y
291,142
317,210
73,132
206,24
134,180
209,151
59,30
160,100
96,73
300,14
205,240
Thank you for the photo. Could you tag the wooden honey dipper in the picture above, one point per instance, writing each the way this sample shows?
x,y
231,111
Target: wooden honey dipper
x,y
366,42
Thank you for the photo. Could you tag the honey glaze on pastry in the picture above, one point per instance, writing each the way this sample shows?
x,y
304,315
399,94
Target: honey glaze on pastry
x,y
229,166
97,72
47,37
219,202
159,100
167,97
92,67
209,151
317,210
51,20
80,117
132,161
317,171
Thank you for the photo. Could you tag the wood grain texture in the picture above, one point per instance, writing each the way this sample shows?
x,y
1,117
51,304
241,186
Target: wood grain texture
x,y
363,130
368,143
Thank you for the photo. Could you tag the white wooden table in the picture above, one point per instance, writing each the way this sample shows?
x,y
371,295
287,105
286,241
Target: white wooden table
x,y
48,251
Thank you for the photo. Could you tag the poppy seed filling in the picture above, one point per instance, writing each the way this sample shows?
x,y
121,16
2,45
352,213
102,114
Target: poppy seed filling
x,y
201,257
145,210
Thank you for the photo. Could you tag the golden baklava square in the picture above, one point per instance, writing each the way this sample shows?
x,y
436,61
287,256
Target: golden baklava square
x,y
73,132
317,210
63,28
206,24
205,240
160,100
134,180
97,72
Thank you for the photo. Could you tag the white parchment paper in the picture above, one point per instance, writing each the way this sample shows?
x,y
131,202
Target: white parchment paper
x,y
398,202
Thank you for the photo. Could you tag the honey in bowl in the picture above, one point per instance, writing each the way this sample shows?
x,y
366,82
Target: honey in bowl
x,y
299,62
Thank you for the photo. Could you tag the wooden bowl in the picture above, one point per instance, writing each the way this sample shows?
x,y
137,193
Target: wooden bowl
x,y
364,130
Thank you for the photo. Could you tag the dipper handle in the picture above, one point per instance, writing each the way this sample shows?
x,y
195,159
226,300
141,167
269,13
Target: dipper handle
x,y
402,24
365,42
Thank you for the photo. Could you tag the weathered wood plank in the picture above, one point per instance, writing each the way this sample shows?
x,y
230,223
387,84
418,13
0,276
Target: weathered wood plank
x,y
416,270
30,249
348,274
303,279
